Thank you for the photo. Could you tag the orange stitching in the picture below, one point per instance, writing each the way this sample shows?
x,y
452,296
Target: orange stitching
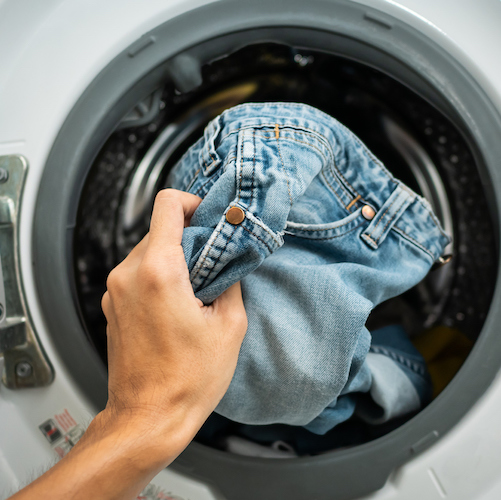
x,y
412,240
285,171
333,189
212,270
307,131
253,167
241,166
260,239
207,252
352,202
367,237
326,238
391,218
329,228
382,216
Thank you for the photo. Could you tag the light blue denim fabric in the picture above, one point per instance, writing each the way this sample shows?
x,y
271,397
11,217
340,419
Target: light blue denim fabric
x,y
311,266
400,384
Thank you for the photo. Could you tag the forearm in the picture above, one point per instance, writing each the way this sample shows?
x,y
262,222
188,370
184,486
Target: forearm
x,y
170,361
115,459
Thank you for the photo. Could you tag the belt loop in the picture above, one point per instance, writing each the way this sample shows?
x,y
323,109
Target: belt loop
x,y
209,159
387,216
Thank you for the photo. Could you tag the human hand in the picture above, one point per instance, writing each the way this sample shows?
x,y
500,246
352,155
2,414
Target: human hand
x,y
170,361
170,358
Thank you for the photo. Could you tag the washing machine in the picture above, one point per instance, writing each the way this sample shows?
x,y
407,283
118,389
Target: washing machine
x,y
99,99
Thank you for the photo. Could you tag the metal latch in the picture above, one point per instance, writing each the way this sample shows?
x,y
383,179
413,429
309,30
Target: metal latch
x,y
25,363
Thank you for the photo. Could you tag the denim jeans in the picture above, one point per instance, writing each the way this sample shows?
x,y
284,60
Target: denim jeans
x,y
319,232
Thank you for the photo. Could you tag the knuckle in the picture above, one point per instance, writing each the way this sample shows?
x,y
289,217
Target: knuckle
x,y
105,303
168,195
150,275
116,280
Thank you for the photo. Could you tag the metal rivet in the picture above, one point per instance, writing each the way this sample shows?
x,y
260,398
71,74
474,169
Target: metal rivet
x,y
441,261
23,369
368,212
235,215
4,175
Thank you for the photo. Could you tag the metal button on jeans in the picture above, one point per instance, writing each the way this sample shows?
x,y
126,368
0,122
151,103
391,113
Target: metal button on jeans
x,y
368,212
235,215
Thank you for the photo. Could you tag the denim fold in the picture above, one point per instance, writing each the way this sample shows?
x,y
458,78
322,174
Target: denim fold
x,y
323,233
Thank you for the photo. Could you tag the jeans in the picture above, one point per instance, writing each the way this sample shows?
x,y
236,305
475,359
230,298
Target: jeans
x,y
318,232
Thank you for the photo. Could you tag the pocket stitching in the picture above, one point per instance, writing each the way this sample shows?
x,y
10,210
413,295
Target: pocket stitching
x,y
328,229
218,258
327,237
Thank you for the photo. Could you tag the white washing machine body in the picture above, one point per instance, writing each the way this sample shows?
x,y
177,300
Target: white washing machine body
x,y
51,52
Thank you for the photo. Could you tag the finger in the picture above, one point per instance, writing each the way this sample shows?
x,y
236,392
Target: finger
x,y
230,305
171,211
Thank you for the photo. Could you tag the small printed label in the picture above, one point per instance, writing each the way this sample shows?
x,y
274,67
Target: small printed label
x,y
62,432
50,431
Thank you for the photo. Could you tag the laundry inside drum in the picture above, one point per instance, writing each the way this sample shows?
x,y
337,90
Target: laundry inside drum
x,y
443,315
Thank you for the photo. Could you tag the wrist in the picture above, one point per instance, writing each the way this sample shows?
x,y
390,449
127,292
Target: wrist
x,y
152,440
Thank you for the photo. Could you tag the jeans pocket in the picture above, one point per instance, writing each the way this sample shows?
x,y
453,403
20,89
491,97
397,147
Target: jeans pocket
x,y
329,230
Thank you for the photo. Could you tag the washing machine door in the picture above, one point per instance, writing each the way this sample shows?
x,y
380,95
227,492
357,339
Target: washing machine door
x,y
86,138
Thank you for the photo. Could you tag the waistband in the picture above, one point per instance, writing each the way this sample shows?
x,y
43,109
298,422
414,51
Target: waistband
x,y
355,174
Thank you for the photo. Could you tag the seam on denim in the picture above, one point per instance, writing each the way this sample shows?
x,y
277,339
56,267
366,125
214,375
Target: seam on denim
x,y
211,271
433,216
306,131
352,202
325,141
197,267
299,142
367,237
309,112
192,181
211,179
317,136
208,149
321,138
412,365
255,220
340,225
322,173
369,153
206,146
412,240
391,218
332,157
203,185
327,237
285,171
239,180
253,167
382,216
260,239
